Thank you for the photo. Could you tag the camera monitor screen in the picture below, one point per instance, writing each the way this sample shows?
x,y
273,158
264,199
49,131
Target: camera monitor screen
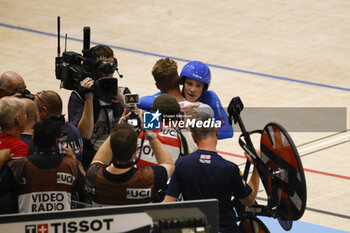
x,y
132,98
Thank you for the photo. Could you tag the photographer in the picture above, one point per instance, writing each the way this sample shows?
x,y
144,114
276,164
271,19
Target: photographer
x,y
112,178
94,109
9,82
50,106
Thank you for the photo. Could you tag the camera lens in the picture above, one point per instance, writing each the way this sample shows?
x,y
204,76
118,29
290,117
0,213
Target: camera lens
x,y
106,88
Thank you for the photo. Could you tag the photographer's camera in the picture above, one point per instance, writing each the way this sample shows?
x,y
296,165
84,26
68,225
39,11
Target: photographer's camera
x,y
72,68
24,93
133,119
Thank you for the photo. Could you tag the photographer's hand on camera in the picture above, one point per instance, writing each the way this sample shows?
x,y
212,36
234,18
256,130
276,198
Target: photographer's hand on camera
x,y
86,86
86,124
133,117
124,116
69,152
138,113
120,98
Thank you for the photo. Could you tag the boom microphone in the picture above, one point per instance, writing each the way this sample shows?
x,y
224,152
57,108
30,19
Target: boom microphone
x,y
86,47
58,36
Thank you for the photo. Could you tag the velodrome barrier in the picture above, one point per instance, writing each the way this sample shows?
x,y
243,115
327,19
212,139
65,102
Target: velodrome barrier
x,y
198,216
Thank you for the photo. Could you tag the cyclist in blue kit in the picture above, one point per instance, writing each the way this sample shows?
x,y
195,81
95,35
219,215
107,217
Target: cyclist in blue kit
x,y
195,78
204,174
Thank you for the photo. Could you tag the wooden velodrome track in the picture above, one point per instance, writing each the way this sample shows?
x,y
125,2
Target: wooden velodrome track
x,y
271,53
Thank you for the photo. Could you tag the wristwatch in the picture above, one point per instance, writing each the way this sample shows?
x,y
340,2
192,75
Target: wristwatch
x,y
151,137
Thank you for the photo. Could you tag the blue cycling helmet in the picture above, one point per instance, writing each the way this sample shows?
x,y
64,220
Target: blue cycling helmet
x,y
196,70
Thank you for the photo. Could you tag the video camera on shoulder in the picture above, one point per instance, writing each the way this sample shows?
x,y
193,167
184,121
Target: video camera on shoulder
x,y
131,100
72,68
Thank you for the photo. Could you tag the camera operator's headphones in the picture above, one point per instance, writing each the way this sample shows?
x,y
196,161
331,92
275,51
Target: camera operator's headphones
x,y
104,66
107,67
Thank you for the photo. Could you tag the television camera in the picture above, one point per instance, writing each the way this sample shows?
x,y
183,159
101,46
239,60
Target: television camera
x,y
72,68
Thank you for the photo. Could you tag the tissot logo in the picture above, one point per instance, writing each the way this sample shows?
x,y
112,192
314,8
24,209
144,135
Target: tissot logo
x,y
102,225
40,228
151,120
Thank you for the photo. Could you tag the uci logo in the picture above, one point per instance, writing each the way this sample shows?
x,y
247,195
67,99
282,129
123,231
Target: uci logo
x,y
138,193
151,120
168,132
65,178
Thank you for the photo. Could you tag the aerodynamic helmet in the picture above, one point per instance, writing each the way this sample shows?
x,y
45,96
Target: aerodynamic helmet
x,y
196,70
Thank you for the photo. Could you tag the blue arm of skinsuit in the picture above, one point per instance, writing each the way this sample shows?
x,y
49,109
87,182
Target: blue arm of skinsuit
x,y
208,97
147,101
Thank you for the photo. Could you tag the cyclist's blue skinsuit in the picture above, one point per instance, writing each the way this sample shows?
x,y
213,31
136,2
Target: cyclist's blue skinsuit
x,y
208,97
